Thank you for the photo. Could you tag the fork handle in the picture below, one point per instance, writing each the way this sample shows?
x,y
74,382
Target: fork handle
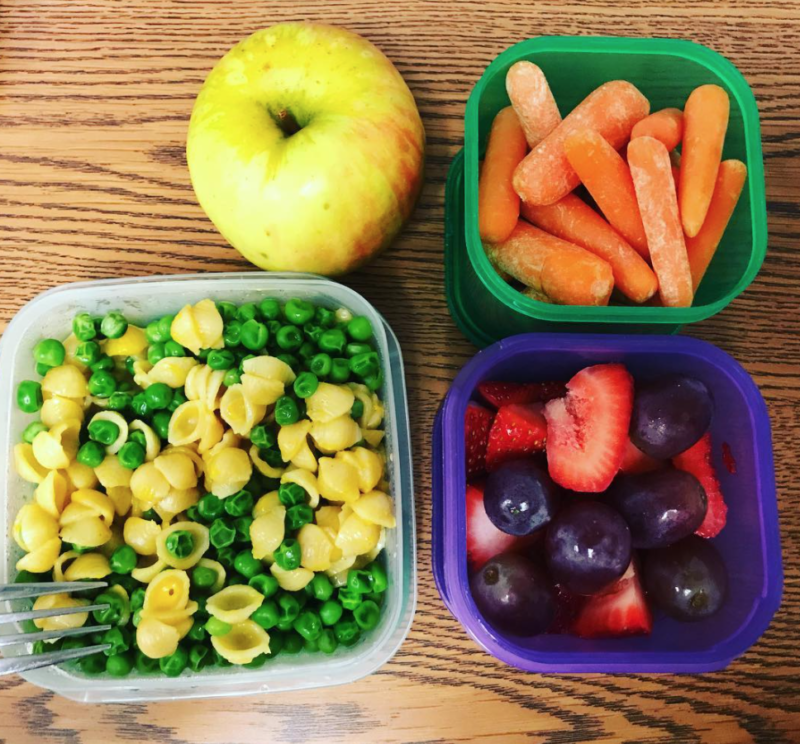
x,y
19,664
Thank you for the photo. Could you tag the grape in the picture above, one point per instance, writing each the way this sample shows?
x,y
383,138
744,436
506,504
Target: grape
x,y
588,546
687,580
520,497
514,594
661,507
670,415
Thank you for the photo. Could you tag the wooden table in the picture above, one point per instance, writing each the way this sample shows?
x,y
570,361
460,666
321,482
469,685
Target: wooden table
x,y
94,103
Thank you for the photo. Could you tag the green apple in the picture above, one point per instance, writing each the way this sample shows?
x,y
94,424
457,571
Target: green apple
x,y
306,149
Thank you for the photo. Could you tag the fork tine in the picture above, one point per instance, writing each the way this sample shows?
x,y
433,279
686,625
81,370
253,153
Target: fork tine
x,y
49,635
18,664
27,591
17,617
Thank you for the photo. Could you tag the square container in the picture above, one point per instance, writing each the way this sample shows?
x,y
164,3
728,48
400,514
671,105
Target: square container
x,y
666,71
50,315
749,544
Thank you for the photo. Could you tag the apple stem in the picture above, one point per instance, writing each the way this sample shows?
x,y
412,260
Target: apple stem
x,y
287,122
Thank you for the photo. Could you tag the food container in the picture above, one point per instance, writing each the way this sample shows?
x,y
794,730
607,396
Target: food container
x,y
750,543
666,71
50,315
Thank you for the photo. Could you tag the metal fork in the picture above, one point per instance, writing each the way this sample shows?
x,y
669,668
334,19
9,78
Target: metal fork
x,y
18,664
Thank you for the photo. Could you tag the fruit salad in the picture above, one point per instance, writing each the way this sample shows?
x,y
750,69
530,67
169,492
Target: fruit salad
x,y
222,470
590,504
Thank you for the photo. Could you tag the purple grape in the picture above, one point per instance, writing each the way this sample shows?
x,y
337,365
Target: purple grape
x,y
660,507
670,415
588,546
514,594
687,580
520,497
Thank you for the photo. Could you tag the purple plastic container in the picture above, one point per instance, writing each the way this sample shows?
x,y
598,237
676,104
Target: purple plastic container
x,y
750,543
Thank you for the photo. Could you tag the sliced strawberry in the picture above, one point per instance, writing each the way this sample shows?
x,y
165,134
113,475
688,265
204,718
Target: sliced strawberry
x,y
501,394
477,424
634,461
697,461
568,605
484,540
587,430
518,431
620,610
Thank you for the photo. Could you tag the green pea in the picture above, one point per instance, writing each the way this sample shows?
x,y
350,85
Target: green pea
x,y
94,664
118,401
363,365
325,317
291,494
289,359
378,577
327,642
180,543
27,577
359,582
137,598
83,327
199,657
258,662
217,627
131,455
152,516
174,664
102,384
232,377
174,349
158,396
273,326
232,333
248,311
42,369
104,364
308,625
160,423
29,396
153,333
330,612
321,587
340,370
123,560
220,535
349,599
104,432
307,351
359,328
218,660
119,665
113,325
374,382
72,644
333,341
91,454
313,331
321,365
139,406
239,504
144,664
289,338
357,411
298,312
178,399
203,577
286,411
247,565
165,327
242,527
226,556
347,632
265,583
221,359
210,507
299,516
254,335
138,437
293,644
270,309
137,617
197,632
288,554
289,607
155,353
49,351
354,348
367,615
227,310
31,430
272,457
119,640
305,385
261,436
267,615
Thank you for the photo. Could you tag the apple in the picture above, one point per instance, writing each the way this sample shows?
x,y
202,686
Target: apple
x,y
306,149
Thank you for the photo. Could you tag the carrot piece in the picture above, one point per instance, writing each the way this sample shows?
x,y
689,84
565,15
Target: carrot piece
x,y
566,273
575,221
533,101
701,248
498,203
608,179
655,190
545,175
705,121
666,126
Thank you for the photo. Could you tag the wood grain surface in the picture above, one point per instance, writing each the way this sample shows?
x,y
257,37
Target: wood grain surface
x,y
94,103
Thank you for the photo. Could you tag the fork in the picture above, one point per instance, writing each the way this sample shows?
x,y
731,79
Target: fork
x,y
25,663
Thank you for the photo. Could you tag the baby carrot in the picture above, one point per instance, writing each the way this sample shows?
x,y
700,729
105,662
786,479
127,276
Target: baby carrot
x,y
655,190
701,248
566,273
498,203
533,101
573,220
666,126
705,121
545,175
608,179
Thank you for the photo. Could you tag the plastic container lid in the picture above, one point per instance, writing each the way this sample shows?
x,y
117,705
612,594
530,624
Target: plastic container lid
x,y
50,315
750,543
666,71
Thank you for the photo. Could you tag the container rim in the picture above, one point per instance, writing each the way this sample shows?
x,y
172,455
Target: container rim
x,y
451,575
611,45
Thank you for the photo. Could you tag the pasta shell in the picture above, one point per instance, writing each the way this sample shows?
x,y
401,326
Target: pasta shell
x,y
337,480
98,504
57,447
228,472
199,533
269,368
307,480
243,643
88,566
82,476
264,467
333,436
173,371
316,547
234,604
266,504
91,532
267,531
33,526
111,473
376,507
26,465
42,559
60,622
291,581
115,418
51,493
57,410
292,438
204,384
141,534
357,536
218,568
240,412
168,591
152,442
329,402
156,639
178,469
66,381
149,485
130,343
146,574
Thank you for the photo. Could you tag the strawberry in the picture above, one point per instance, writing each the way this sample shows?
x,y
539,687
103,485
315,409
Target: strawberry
x,y
518,431
697,461
619,610
634,461
477,423
484,540
587,430
501,394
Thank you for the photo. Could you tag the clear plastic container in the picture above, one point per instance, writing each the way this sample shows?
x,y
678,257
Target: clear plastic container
x,y
749,544
666,71
50,315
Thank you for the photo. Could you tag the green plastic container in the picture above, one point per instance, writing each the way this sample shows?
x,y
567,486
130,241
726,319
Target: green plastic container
x,y
666,71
